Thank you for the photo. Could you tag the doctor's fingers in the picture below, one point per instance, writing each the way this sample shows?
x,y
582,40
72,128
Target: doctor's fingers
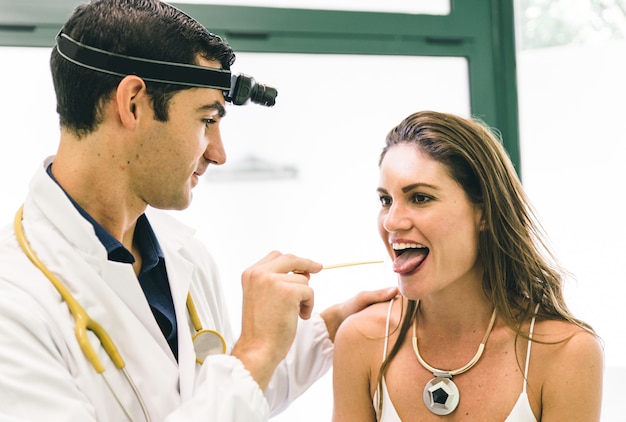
x,y
276,261
300,294
282,294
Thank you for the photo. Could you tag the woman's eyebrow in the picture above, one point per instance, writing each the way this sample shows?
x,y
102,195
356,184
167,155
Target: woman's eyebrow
x,y
410,187
414,186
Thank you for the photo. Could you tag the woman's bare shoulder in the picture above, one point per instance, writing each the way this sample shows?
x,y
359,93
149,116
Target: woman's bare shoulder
x,y
565,334
563,348
568,362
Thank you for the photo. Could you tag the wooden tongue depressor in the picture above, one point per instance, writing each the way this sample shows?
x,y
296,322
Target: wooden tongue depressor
x,y
345,264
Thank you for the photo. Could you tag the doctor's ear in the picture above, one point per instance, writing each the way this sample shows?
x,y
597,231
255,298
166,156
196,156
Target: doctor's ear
x,y
131,99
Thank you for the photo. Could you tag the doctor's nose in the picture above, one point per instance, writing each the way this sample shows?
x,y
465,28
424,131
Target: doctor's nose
x,y
215,152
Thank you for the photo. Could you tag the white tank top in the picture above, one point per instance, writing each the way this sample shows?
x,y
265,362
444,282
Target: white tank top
x,y
521,412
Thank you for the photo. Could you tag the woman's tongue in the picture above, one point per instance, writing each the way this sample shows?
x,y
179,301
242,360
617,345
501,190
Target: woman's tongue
x,y
409,260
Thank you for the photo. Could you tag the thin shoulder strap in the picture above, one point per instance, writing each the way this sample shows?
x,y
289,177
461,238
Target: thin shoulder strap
x,y
530,342
387,329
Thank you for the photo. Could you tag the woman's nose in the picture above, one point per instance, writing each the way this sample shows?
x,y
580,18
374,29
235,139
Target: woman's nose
x,y
396,218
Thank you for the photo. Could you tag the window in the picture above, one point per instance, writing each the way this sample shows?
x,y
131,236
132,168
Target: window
x,y
434,7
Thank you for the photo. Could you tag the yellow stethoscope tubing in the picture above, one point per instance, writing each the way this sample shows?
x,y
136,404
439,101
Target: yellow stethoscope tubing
x,y
197,325
82,318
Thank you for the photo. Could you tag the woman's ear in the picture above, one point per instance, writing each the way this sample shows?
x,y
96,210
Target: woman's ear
x,y
131,99
480,217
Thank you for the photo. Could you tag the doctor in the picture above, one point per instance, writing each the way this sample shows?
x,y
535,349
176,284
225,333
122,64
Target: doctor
x,y
89,261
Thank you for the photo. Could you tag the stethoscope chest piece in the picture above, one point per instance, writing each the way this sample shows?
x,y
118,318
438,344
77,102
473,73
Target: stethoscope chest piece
x,y
207,343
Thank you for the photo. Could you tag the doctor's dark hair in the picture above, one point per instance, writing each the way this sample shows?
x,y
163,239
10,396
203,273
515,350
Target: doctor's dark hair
x,y
148,29
519,270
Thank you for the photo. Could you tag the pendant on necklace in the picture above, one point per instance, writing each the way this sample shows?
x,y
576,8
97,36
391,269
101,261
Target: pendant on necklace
x,y
441,395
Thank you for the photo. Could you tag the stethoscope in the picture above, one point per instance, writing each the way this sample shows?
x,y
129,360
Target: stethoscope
x,y
205,342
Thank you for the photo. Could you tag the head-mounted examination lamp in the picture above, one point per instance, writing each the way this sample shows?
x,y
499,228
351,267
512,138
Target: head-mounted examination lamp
x,y
238,89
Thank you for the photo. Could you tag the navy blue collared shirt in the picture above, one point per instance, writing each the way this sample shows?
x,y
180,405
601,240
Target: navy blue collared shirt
x,y
152,276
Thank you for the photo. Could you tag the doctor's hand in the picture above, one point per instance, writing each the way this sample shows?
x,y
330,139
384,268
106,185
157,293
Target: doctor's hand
x,y
336,314
275,294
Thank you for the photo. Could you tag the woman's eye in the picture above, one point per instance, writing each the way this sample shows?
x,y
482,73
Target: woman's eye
x,y
385,201
420,198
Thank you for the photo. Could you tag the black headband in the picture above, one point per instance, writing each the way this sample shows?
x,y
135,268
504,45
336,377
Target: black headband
x,y
237,89
150,70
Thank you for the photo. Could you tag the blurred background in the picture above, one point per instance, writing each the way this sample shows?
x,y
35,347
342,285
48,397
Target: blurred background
x,y
301,177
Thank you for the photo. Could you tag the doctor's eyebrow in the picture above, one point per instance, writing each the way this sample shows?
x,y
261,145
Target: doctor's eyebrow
x,y
215,106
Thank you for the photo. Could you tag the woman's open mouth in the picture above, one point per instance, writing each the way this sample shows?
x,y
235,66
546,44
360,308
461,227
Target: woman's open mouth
x,y
408,257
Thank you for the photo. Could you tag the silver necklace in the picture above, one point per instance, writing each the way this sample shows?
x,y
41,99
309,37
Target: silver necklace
x,y
441,395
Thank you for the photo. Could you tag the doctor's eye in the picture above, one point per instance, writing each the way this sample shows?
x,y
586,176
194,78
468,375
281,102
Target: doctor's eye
x,y
208,122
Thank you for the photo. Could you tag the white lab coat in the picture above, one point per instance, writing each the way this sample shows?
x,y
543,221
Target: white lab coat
x,y
43,372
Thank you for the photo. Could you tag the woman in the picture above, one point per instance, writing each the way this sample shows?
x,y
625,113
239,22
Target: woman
x,y
476,282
